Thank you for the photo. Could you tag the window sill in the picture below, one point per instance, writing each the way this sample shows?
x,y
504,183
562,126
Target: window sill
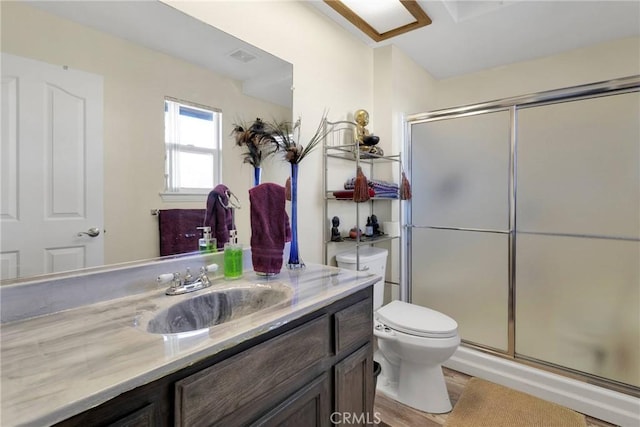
x,y
184,197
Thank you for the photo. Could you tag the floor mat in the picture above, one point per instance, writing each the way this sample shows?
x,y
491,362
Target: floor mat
x,y
485,404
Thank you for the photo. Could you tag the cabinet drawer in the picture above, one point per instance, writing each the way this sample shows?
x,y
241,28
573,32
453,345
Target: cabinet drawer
x,y
238,382
354,325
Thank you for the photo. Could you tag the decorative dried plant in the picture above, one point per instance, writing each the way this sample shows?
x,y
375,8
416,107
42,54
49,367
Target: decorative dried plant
x,y
286,136
257,141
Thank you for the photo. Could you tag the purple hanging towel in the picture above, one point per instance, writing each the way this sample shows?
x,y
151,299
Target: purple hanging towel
x,y
270,227
219,214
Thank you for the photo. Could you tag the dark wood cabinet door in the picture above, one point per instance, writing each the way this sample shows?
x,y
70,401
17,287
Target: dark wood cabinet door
x,y
308,407
354,391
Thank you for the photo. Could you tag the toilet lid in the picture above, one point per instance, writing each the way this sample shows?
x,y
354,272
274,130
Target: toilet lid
x,y
415,320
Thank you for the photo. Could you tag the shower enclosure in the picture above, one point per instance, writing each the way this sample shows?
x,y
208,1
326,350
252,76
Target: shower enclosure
x,y
525,227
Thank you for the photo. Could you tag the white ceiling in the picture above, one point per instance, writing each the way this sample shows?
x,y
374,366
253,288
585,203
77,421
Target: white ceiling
x,y
465,36
157,26
469,36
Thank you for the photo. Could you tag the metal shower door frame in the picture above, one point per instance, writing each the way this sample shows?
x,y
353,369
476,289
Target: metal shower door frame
x,y
512,105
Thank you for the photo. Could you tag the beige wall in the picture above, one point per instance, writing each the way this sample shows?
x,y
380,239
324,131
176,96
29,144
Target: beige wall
x,y
136,81
332,70
400,86
618,58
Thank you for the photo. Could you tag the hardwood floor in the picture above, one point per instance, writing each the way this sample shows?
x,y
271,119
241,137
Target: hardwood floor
x,y
394,414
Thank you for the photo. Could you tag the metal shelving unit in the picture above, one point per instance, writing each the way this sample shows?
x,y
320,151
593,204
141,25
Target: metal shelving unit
x,y
340,147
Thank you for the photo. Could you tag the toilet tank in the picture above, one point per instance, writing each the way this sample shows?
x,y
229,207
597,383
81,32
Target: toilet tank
x,y
373,260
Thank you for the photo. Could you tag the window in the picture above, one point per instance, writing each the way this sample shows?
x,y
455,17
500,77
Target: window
x,y
193,145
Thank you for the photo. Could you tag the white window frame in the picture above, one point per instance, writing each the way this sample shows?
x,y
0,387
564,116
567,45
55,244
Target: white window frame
x,y
173,191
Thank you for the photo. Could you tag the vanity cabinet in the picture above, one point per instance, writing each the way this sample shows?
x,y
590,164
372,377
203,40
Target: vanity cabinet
x,y
295,375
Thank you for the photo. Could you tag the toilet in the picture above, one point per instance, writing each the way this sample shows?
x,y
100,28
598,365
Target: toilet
x,y
413,341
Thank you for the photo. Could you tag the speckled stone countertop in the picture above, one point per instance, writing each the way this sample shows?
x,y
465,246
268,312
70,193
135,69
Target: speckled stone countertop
x,y
61,364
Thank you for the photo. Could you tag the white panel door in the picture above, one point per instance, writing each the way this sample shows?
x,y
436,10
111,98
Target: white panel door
x,y
52,171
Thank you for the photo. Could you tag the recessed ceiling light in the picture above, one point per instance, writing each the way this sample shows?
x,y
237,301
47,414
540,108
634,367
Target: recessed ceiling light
x,y
382,19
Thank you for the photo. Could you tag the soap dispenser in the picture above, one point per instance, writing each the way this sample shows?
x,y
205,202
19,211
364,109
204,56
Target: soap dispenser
x,y
206,244
232,257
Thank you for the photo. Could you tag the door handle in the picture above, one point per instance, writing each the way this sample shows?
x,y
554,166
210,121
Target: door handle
x,y
92,232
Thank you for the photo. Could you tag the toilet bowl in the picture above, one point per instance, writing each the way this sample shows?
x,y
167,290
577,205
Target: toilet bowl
x,y
413,342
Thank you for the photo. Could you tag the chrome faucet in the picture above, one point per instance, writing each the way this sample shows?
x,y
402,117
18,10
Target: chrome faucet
x,y
188,283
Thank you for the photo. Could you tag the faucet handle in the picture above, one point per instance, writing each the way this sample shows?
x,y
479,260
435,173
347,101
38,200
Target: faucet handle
x,y
168,277
211,268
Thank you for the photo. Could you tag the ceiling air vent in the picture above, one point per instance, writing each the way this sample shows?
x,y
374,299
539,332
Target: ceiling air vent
x,y
242,55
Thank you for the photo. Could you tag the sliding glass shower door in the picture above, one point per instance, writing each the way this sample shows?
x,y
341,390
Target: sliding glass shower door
x,y
525,227
578,235
460,217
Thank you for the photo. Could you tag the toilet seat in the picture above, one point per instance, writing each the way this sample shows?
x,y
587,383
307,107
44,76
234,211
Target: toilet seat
x,y
415,320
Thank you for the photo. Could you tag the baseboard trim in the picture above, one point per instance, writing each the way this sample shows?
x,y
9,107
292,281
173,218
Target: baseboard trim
x,y
598,402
